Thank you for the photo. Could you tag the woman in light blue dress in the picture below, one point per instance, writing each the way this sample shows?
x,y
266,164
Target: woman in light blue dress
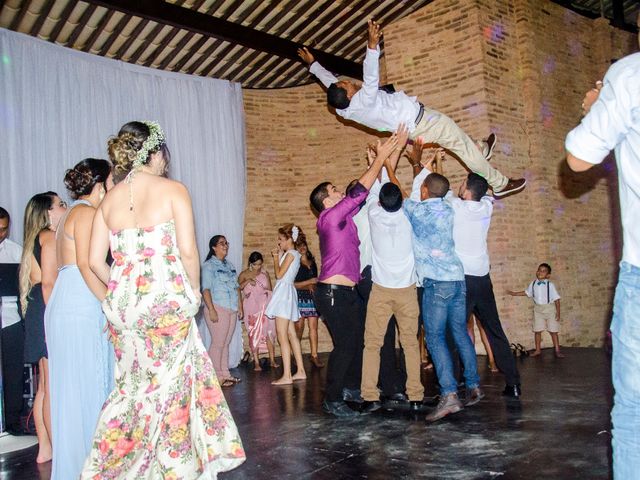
x,y
80,355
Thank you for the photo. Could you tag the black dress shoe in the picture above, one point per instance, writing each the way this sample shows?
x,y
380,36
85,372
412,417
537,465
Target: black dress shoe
x,y
352,395
512,391
338,409
398,397
370,407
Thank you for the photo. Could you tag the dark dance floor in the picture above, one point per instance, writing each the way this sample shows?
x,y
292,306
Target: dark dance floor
x,y
560,429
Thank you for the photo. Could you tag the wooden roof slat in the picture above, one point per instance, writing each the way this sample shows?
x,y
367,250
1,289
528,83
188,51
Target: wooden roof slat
x,y
177,16
167,39
320,10
273,21
86,15
189,55
163,44
240,51
342,26
120,26
98,30
17,20
177,50
64,17
42,16
132,38
281,70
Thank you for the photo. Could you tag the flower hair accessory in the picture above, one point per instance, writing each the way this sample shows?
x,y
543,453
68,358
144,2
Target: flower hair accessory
x,y
155,139
295,231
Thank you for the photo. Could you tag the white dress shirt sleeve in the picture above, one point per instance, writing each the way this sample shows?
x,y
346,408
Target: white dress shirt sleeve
x,y
322,74
529,290
370,77
608,121
417,183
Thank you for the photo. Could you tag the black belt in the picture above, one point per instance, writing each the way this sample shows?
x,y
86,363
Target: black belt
x,y
420,113
333,286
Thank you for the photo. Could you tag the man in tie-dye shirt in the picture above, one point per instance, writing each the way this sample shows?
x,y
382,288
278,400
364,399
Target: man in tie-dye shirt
x,y
444,300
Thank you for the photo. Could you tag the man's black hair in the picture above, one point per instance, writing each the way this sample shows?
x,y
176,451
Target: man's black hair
x,y
390,197
337,97
477,185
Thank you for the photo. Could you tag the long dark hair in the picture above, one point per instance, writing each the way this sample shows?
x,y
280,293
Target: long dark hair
x,y
212,243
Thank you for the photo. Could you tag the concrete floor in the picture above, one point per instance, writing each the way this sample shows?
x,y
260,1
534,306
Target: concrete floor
x,y
559,430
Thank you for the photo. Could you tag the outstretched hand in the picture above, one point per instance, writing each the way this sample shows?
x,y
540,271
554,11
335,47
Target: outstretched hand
x,y
374,34
438,154
415,155
403,135
306,55
384,149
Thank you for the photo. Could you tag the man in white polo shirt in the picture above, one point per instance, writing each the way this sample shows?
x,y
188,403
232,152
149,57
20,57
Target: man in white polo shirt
x,y
471,221
12,332
613,122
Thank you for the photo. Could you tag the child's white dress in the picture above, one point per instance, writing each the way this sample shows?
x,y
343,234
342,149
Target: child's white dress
x,y
284,302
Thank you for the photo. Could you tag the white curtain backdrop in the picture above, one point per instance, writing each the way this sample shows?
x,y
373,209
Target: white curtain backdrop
x,y
58,106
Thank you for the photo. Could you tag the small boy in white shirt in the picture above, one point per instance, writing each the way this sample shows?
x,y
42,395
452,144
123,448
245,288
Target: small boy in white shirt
x,y
546,311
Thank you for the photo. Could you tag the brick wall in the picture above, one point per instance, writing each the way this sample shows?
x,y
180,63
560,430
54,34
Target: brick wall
x,y
518,68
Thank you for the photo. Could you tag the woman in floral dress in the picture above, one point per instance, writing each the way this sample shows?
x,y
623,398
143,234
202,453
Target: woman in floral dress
x,y
166,417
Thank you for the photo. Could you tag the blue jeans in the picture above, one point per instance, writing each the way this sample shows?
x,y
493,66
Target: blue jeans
x,y
625,416
444,306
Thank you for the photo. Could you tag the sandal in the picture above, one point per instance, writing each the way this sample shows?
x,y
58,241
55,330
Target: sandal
x,y
523,351
227,382
234,379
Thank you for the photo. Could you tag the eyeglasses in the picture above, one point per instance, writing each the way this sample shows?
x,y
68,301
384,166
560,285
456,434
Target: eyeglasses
x,y
62,204
222,243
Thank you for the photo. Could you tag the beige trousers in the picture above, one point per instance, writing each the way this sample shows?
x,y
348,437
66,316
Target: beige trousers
x,y
436,127
384,302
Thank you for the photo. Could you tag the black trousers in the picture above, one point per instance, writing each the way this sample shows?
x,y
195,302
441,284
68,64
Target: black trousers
x,y
482,302
13,373
392,377
342,312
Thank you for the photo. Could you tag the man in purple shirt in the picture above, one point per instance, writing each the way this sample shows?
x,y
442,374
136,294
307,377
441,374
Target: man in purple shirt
x,y
336,298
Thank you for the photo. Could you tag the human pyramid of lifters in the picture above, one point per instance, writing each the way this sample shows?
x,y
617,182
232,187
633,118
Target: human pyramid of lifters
x,y
392,256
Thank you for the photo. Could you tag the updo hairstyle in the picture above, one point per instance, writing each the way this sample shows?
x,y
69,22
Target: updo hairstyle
x,y
81,179
123,148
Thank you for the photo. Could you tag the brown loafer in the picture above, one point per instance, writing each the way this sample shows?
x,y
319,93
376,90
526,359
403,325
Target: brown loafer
x,y
512,187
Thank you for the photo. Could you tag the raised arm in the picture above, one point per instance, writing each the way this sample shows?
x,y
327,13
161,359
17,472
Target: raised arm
x,y
371,65
383,151
321,73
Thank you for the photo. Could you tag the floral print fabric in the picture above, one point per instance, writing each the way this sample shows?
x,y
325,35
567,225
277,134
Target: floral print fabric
x,y
166,417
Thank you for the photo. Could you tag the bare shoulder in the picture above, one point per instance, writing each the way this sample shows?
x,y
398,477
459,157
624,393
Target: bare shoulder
x,y
47,237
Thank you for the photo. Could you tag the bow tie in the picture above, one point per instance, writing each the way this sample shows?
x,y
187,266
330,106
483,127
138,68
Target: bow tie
x,y
541,282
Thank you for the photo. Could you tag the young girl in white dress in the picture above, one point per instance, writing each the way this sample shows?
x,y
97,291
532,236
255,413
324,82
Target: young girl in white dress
x,y
284,302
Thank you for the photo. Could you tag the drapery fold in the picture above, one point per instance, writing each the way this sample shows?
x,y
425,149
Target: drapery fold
x,y
58,106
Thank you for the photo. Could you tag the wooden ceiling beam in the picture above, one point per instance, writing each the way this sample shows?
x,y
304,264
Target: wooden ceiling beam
x,y
99,28
17,20
184,18
118,29
42,16
274,20
84,18
64,16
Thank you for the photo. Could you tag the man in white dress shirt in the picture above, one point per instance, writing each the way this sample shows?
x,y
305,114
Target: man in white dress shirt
x,y
613,122
393,291
12,332
367,105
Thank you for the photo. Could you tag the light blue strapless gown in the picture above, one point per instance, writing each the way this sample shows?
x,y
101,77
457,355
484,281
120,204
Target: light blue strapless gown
x,y
80,370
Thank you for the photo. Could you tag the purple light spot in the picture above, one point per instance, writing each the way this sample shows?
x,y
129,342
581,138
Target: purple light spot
x,y
507,148
575,47
494,33
559,210
546,114
584,198
549,65
475,109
